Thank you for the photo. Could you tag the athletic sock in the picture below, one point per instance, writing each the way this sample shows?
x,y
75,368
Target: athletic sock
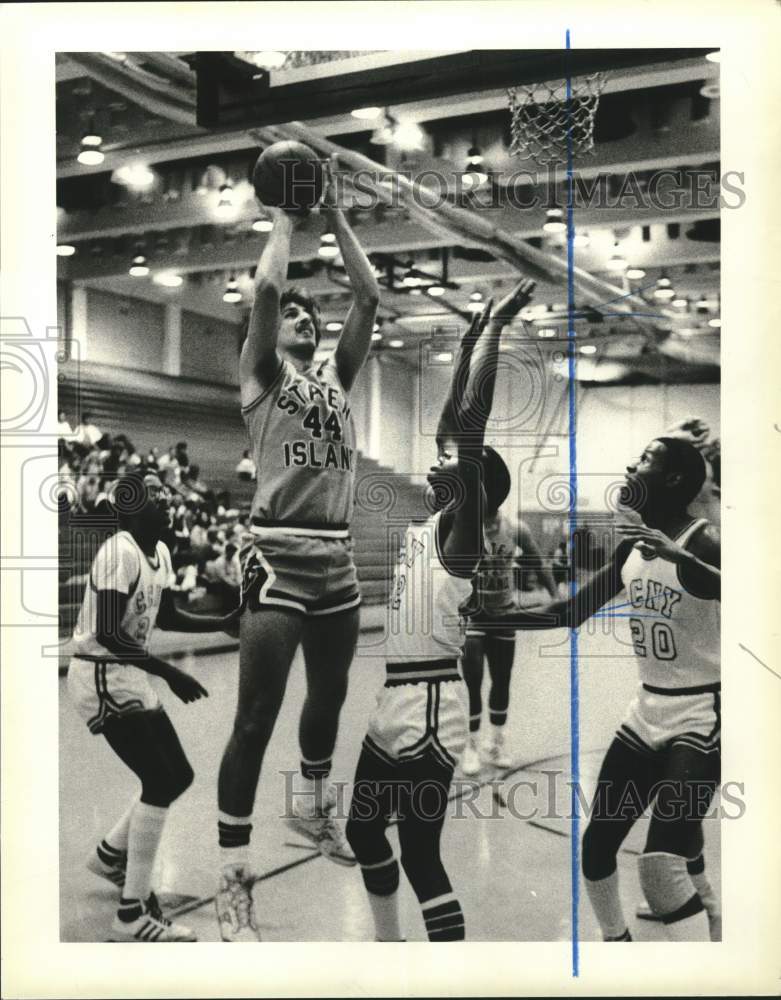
x,y
146,828
382,883
313,782
130,910
234,835
110,856
444,918
606,903
474,723
498,719
116,839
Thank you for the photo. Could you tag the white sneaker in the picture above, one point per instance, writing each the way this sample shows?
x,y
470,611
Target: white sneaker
x,y
470,762
321,828
495,752
150,927
235,906
114,873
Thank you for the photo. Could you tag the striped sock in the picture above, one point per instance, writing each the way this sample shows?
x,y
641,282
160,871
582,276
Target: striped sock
x,y
498,718
129,910
444,918
110,856
234,835
382,883
314,783
474,722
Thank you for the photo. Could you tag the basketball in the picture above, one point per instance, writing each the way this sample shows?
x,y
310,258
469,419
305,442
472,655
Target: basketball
x,y
290,176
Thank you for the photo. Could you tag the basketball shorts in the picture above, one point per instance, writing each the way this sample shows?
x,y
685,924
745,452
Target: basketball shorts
x,y
483,631
417,717
660,717
104,689
315,576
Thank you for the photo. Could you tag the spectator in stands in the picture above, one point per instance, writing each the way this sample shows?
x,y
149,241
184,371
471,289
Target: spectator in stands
x,y
87,432
198,532
223,576
152,458
246,470
191,480
181,455
64,429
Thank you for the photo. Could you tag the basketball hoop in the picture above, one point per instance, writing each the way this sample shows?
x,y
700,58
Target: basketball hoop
x,y
544,121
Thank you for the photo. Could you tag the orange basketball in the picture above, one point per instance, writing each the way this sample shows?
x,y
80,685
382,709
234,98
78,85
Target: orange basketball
x,y
290,176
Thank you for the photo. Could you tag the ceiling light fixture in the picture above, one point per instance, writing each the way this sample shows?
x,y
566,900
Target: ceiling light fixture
x,y
139,268
366,114
588,349
333,326
396,343
262,225
232,293
167,279
714,57
328,250
134,175
409,136
581,240
328,238
435,291
635,273
225,206
554,221
65,250
90,154
715,322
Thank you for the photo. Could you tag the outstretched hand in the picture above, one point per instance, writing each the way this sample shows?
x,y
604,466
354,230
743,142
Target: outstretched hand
x,y
651,542
511,304
692,429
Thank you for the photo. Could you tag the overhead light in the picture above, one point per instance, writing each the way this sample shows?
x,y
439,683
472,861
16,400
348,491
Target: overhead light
x,y
333,326
134,175
409,136
554,221
444,356
262,225
232,293
474,163
416,291
476,297
616,263
714,57
328,238
546,331
225,206
715,322
366,114
635,273
328,250
395,343
435,291
264,60
167,279
65,250
90,154
410,279
588,349
711,90
474,307
702,304
581,240
376,336
679,303
376,327
383,136
664,294
139,267
663,282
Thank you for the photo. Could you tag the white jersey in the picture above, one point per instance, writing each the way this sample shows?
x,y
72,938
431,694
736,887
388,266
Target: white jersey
x,y
676,635
424,619
121,565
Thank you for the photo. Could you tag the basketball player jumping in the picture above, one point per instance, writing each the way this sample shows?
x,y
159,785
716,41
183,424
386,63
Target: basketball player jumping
x,y
666,754
418,728
510,548
299,578
108,680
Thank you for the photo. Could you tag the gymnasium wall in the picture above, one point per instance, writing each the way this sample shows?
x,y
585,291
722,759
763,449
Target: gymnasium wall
x,y
125,332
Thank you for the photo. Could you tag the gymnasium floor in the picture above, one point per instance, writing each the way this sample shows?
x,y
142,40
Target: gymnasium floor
x,y
512,874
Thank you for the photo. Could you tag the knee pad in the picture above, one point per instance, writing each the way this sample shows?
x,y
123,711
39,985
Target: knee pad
x,y
598,857
381,879
668,886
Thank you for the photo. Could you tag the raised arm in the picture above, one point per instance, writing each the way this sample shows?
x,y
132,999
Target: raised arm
x,y
355,339
472,400
699,566
259,363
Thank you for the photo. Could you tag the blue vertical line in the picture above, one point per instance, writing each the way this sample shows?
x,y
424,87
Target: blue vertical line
x,y
574,685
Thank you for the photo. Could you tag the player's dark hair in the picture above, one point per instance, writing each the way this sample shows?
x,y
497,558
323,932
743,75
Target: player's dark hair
x,y
299,296
496,478
127,496
684,459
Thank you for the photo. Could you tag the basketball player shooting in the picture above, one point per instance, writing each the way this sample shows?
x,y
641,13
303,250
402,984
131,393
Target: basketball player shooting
x,y
419,728
666,754
299,579
108,681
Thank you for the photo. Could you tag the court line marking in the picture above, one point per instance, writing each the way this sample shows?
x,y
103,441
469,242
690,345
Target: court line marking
x,y
198,902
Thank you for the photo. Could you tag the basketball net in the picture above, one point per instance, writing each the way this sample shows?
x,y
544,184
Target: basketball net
x,y
545,122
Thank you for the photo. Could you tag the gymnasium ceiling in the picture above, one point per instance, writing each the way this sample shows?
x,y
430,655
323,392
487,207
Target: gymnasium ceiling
x,y
656,116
